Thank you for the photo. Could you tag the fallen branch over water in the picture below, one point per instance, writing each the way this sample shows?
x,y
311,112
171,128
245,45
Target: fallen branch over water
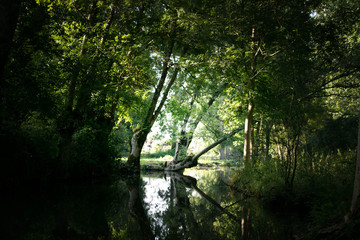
x,y
192,161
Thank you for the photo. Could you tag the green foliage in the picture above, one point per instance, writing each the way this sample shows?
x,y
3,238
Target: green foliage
x,y
159,154
262,179
322,192
85,72
90,153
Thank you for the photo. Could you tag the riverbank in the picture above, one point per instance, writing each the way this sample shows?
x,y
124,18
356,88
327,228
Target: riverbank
x,y
158,163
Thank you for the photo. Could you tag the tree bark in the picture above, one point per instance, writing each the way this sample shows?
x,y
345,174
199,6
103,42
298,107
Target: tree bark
x,y
267,139
227,152
140,135
249,128
248,133
222,145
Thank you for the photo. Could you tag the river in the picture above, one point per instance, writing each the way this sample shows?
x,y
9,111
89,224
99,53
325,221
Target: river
x,y
195,205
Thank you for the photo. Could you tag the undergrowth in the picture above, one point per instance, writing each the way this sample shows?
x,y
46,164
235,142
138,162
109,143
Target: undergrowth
x,y
321,194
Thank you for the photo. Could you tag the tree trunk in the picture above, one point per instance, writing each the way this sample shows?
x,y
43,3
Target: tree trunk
x,y
227,152
67,128
222,152
137,142
249,128
267,139
191,161
248,132
355,203
222,145
140,135
182,143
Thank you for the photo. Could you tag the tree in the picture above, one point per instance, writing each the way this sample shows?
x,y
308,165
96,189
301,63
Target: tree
x,y
191,161
268,29
188,128
140,134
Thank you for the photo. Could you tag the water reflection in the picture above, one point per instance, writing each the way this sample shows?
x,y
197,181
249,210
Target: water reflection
x,y
153,206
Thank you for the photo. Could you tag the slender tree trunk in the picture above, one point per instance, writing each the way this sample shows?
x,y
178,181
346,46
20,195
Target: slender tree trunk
x,y
222,145
295,157
247,133
249,125
267,139
222,152
227,152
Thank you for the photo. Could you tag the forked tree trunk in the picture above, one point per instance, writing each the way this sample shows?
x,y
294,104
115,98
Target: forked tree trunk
x,y
139,136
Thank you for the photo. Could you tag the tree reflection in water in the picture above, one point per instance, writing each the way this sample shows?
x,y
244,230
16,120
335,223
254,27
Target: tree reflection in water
x,y
179,218
162,206
179,208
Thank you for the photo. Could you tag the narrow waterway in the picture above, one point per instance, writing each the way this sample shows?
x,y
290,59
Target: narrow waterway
x,y
195,205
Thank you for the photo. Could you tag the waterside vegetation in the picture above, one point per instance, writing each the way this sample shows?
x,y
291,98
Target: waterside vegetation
x,y
271,88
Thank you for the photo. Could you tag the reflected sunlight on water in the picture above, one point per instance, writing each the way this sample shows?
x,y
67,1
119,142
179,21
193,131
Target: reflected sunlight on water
x,y
154,196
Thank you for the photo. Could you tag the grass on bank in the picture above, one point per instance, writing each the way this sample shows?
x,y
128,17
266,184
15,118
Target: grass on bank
x,y
158,159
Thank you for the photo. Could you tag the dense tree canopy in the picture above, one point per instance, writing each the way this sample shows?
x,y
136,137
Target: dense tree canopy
x,y
82,83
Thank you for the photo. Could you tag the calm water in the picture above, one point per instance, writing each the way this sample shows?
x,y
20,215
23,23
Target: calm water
x,y
195,205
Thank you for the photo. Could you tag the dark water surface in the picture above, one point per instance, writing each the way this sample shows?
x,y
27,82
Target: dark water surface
x,y
196,205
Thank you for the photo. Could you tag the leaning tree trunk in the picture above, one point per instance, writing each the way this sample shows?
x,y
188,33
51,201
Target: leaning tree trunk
x,y
137,142
192,161
140,135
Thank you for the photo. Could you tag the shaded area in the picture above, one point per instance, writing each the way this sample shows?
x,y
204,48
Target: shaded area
x,y
154,206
